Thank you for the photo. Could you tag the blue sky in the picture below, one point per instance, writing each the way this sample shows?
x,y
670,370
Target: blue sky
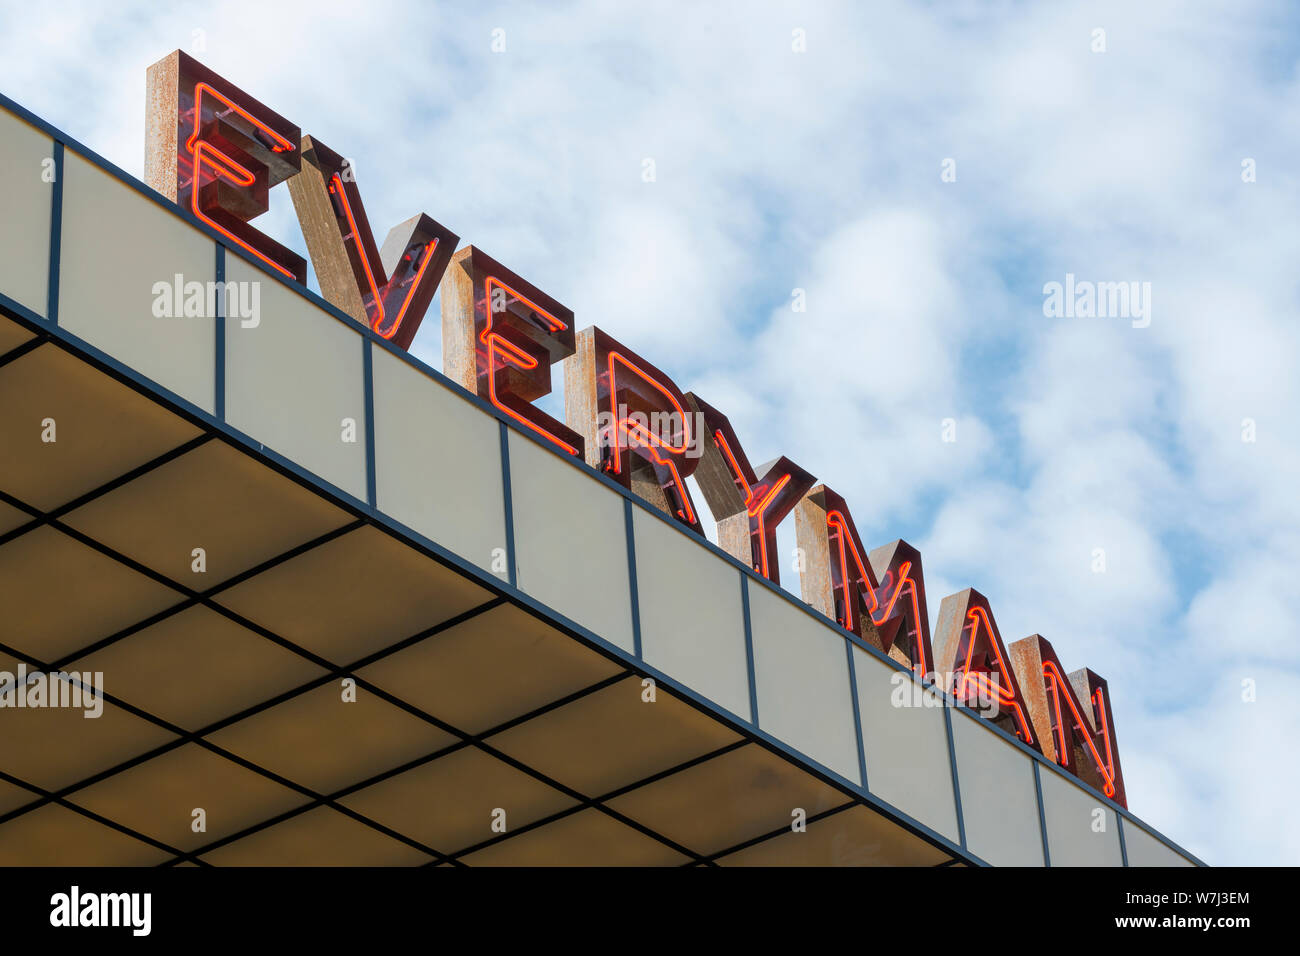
x,y
820,170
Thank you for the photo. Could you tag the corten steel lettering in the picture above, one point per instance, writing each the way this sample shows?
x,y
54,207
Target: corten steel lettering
x,y
968,646
388,289
635,421
878,596
898,568
216,151
1072,715
747,503
500,336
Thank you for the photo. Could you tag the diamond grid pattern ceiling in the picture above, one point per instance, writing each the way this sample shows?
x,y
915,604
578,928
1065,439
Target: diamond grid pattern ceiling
x,y
323,692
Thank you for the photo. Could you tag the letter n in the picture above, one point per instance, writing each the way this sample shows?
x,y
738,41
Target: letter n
x,y
1072,715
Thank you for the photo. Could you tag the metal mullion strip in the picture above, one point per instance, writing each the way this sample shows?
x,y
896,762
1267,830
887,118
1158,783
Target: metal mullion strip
x,y
956,784
857,716
749,650
508,507
1042,816
368,388
56,236
634,594
219,321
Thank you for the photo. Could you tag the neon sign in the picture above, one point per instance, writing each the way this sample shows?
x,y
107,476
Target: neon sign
x,y
501,335
747,505
878,596
969,647
390,288
636,423
216,151
898,568
1073,716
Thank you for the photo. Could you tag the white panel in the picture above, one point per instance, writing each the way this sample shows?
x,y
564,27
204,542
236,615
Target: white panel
x,y
1073,816
26,194
999,802
438,463
906,742
570,541
801,672
121,254
1143,849
692,619
293,376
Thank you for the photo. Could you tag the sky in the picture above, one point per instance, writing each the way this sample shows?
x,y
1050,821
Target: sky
x,y
687,175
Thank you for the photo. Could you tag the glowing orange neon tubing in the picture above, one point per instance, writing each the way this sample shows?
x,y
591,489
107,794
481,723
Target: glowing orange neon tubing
x,y
1060,689
755,509
370,276
650,441
721,440
836,520
761,505
905,581
498,344
203,147
1005,694
199,88
232,171
1105,730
